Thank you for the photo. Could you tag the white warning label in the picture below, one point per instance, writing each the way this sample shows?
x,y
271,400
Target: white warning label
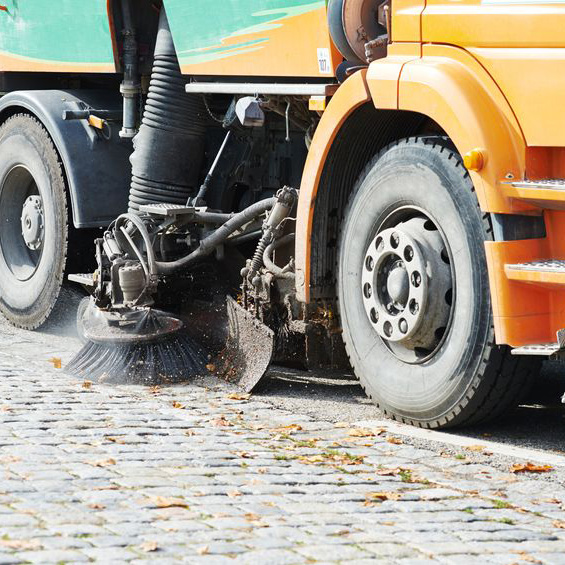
x,y
324,61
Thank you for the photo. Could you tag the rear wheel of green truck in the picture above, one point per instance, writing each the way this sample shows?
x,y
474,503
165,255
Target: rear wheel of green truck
x,y
33,223
414,292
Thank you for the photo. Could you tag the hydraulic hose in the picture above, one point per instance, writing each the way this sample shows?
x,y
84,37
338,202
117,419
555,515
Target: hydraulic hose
x,y
269,263
208,244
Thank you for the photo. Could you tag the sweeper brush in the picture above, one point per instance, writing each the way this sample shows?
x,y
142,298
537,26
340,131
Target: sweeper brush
x,y
146,347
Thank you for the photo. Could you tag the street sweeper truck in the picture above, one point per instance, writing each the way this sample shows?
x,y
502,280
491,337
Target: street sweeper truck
x,y
365,185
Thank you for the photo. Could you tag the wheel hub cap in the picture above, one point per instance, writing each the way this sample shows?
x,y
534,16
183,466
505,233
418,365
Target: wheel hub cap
x,y
407,287
394,290
32,222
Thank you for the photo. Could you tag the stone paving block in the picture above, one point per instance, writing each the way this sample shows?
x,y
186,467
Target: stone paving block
x,y
56,556
333,552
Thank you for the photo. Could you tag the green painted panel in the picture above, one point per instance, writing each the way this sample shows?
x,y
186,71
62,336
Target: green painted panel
x,y
70,31
198,26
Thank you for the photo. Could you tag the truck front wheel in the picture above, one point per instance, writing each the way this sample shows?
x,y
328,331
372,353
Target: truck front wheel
x,y
414,293
33,222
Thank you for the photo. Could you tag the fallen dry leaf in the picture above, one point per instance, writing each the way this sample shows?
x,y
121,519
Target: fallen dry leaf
x,y
530,468
245,454
149,546
287,429
559,524
262,470
203,550
166,502
394,440
102,462
178,405
234,494
360,432
221,422
96,506
250,517
389,472
115,440
190,433
57,363
239,396
475,448
211,367
87,385
24,545
525,556
376,497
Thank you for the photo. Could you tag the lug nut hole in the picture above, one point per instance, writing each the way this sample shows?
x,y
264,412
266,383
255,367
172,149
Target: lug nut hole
x,y
414,307
379,244
367,290
388,329
449,297
369,263
394,240
445,256
403,326
416,279
374,316
409,253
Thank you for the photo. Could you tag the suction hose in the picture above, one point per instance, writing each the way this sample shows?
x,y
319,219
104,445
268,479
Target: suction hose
x,y
169,148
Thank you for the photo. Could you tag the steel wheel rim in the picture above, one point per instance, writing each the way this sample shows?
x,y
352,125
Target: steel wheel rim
x,y
408,284
22,223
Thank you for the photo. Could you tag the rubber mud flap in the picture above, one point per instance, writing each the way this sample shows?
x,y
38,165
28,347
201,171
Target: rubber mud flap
x,y
249,350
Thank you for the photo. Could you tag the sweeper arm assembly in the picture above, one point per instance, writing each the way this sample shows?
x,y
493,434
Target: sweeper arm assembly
x,y
130,339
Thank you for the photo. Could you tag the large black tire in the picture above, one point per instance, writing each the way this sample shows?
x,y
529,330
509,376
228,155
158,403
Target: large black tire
x,y
460,377
31,269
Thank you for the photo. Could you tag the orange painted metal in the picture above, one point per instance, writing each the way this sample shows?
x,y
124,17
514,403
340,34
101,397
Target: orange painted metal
x,y
383,75
449,86
290,47
350,96
15,63
407,20
523,313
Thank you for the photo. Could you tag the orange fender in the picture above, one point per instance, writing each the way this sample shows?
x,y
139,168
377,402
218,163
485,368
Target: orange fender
x,y
352,94
449,86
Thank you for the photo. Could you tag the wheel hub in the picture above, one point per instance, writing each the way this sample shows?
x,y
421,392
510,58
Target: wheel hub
x,y
32,222
407,287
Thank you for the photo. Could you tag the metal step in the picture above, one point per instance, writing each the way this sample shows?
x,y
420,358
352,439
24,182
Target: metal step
x,y
555,350
543,350
545,184
546,193
549,272
546,266
86,279
166,210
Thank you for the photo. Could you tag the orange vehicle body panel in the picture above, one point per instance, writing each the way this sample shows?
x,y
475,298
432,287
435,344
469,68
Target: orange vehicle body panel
x,y
521,45
273,57
349,97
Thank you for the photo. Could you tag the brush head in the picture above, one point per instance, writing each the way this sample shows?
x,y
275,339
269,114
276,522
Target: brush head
x,y
147,348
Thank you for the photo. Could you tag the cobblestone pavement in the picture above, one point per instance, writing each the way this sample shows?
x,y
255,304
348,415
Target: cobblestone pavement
x,y
207,476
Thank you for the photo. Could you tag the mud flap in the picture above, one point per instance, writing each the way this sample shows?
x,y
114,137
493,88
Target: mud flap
x,y
249,350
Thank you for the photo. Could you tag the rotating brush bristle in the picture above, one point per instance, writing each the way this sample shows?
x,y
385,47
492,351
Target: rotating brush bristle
x,y
149,350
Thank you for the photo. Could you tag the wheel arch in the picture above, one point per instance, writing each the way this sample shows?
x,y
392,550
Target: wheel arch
x,y
96,169
351,132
